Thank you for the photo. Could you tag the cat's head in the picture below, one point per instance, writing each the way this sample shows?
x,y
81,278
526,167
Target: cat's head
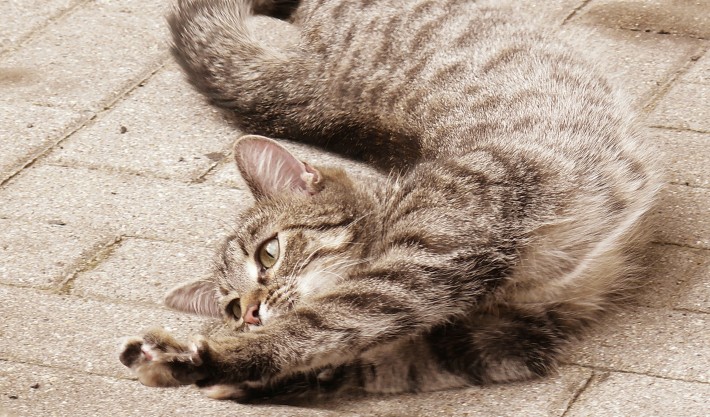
x,y
304,233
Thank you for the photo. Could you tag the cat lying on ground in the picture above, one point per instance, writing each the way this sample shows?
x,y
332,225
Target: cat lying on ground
x,y
508,217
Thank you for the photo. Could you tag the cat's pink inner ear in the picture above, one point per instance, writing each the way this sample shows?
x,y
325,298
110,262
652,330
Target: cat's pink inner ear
x,y
270,169
196,297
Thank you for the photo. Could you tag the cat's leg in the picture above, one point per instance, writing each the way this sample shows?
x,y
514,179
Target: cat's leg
x,y
495,348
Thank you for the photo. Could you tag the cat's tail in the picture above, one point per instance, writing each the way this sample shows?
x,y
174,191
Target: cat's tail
x,y
225,61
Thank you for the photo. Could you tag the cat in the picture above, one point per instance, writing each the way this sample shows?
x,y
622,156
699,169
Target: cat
x,y
508,217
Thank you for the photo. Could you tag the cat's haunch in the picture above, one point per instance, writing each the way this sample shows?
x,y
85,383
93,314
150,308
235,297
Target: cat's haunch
x,y
508,216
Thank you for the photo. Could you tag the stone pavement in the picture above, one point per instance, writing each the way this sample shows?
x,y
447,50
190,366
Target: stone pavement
x,y
116,182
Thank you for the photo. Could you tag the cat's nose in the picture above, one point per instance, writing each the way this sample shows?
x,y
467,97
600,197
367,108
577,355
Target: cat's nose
x,y
252,314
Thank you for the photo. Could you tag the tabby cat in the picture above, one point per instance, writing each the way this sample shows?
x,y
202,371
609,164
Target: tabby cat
x,y
509,214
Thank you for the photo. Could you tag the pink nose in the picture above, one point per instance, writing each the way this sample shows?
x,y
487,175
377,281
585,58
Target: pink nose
x,y
252,314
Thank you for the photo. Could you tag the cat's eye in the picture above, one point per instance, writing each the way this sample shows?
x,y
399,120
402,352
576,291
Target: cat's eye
x,y
269,253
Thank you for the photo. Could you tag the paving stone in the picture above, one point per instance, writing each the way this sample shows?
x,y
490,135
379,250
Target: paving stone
x,y
123,204
679,17
696,293
684,156
190,139
144,270
546,397
682,216
700,71
43,254
20,18
42,391
617,394
677,277
88,58
658,342
639,62
27,130
75,333
684,107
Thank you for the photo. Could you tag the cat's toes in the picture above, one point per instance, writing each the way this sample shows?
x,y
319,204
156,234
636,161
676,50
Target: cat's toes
x,y
130,353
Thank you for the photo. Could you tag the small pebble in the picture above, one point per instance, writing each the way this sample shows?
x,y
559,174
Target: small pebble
x,y
35,386
124,129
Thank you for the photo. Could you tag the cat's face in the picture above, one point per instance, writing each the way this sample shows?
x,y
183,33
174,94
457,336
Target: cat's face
x,y
304,233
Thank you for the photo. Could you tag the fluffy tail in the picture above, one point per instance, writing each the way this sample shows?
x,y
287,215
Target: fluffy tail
x,y
272,90
225,61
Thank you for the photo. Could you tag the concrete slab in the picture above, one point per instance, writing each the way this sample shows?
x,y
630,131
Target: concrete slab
x,y
75,333
677,17
684,107
27,130
684,156
88,59
657,342
192,139
123,204
700,71
20,19
30,390
546,397
639,62
682,216
144,270
618,394
43,254
677,277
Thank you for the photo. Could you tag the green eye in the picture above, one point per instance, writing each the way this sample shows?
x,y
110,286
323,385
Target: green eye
x,y
269,253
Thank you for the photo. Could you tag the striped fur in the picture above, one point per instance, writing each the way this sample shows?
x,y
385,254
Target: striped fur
x,y
508,216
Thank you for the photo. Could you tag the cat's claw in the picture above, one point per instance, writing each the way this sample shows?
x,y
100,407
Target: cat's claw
x,y
160,361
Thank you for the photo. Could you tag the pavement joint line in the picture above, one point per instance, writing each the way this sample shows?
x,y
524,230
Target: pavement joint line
x,y
679,129
578,392
69,369
625,371
670,81
17,45
96,255
85,122
228,158
574,11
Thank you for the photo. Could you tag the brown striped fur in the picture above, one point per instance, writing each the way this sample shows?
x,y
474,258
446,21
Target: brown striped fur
x,y
508,216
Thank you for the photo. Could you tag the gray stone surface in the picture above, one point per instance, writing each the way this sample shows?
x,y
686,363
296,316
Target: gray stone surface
x,y
639,62
677,277
76,333
684,155
96,224
20,19
43,254
684,107
682,216
144,270
659,342
124,204
129,139
27,130
616,394
677,17
91,56
69,393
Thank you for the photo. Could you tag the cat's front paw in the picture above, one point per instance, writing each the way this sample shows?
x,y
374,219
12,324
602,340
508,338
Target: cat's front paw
x,y
161,361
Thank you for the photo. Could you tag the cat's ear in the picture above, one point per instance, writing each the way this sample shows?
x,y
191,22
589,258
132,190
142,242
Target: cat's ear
x,y
196,297
270,169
